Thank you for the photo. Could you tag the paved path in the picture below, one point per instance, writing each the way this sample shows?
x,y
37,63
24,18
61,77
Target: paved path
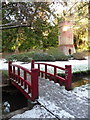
x,y
61,102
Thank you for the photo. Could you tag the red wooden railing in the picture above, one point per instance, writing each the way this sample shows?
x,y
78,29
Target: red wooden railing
x,y
68,74
28,87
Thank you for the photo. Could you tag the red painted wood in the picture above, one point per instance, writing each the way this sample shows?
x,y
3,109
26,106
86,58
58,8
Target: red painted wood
x,y
22,91
9,69
55,74
39,69
45,71
22,79
51,65
20,67
32,64
68,77
31,87
25,77
52,75
34,83
18,75
68,73
14,72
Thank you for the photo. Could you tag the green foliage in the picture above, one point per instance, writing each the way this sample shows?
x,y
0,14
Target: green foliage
x,y
51,55
43,57
39,34
9,40
58,55
81,26
79,56
19,57
27,57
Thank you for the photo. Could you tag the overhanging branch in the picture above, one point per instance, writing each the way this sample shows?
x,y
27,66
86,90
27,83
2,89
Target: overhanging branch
x,y
17,26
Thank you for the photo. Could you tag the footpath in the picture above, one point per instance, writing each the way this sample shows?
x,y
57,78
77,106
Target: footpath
x,y
56,102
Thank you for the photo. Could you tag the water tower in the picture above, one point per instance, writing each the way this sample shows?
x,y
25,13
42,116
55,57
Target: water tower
x,y
65,38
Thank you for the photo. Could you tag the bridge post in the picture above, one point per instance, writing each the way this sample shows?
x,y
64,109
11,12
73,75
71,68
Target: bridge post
x,y
55,74
34,83
9,69
45,71
32,64
68,77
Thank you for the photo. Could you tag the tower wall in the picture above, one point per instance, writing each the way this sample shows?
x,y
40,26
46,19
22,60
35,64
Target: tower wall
x,y
65,38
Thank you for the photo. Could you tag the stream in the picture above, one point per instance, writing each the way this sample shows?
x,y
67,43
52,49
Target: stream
x,y
15,99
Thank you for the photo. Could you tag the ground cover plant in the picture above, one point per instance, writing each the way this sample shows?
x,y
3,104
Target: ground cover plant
x,y
52,54
79,56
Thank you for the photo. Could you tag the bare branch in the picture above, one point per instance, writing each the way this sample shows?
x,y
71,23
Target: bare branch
x,y
17,26
10,24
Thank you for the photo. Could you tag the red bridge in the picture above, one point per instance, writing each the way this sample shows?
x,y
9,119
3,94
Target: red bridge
x,y
27,80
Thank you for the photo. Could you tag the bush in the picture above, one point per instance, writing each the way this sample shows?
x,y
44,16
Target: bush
x,y
27,57
59,56
52,54
11,58
79,56
43,57
19,57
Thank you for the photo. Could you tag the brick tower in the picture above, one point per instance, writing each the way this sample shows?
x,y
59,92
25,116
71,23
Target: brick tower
x,y
65,38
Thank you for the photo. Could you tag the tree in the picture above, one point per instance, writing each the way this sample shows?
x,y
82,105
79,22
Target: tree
x,y
31,18
77,13
39,30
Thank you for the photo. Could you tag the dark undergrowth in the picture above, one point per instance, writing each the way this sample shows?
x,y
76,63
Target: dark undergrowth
x,y
76,75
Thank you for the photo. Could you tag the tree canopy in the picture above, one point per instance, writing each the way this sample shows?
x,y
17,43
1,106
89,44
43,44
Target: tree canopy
x,y
29,25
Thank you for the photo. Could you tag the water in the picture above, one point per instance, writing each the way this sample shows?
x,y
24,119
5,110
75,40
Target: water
x,y
16,100
82,80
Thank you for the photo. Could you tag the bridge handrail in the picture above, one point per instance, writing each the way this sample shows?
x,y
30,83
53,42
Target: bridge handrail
x,y
21,82
68,73
58,77
51,65
20,67
26,81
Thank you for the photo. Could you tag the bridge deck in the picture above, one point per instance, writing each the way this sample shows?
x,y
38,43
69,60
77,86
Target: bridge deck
x,y
62,102
56,102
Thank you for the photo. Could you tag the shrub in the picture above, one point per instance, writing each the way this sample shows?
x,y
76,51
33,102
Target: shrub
x,y
59,56
43,57
27,57
79,56
19,57
52,54
11,58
